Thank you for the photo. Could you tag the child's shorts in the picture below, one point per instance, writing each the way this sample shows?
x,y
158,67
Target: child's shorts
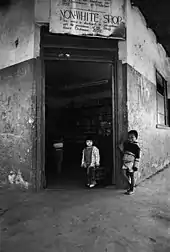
x,y
128,165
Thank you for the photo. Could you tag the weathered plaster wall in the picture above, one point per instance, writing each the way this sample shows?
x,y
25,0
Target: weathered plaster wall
x,y
142,55
19,44
141,50
17,32
42,11
142,116
17,114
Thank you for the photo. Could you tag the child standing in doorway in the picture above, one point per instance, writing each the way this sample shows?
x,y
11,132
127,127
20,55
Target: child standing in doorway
x,y
131,157
90,161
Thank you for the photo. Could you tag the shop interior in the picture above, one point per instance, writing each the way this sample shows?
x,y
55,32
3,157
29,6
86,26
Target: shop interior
x,y
78,103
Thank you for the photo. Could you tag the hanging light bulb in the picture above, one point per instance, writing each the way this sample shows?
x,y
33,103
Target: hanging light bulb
x,y
67,55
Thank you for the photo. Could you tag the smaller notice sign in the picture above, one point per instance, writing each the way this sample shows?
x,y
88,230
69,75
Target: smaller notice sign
x,y
99,18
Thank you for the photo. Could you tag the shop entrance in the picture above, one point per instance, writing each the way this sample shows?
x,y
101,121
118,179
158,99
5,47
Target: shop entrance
x,y
78,103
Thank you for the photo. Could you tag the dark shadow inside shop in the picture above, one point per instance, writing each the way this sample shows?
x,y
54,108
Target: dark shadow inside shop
x,y
78,103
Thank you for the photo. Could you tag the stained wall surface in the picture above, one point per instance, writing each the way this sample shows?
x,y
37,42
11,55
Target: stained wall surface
x,y
141,50
142,116
17,113
19,43
42,11
18,35
17,32
142,56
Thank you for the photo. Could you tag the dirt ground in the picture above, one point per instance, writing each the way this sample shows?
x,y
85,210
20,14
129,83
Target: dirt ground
x,y
83,220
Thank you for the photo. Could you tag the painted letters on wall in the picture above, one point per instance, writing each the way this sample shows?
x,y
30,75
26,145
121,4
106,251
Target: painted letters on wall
x,y
104,18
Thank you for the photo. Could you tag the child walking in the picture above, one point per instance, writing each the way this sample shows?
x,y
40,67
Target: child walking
x,y
131,157
90,160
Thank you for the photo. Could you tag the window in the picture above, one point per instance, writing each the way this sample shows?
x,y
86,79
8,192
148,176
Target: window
x,y
162,103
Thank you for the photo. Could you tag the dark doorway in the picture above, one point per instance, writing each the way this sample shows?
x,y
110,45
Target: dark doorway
x,y
78,98
78,103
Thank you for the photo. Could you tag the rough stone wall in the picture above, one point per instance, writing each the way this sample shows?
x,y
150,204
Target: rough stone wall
x,y
142,116
17,114
16,32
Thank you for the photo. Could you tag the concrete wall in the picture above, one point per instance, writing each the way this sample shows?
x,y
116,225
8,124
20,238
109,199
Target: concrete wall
x,y
154,142
17,32
17,116
141,50
42,11
143,55
19,44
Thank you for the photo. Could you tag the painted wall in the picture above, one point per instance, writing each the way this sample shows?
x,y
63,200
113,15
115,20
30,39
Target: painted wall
x,y
19,44
142,55
17,116
17,32
142,116
42,11
141,50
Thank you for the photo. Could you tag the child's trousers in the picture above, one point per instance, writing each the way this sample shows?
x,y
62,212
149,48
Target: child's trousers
x,y
90,175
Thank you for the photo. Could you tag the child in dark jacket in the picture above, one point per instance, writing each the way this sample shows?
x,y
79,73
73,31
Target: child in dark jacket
x,y
131,157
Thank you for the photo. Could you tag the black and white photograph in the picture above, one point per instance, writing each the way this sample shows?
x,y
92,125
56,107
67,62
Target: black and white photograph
x,y
84,126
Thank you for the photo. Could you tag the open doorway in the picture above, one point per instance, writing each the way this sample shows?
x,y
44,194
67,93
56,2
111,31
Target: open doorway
x,y
78,102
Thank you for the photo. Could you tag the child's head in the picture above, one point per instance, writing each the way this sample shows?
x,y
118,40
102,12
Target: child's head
x,y
132,135
89,141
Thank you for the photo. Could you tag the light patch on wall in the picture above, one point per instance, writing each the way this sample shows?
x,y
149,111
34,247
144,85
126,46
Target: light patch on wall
x,y
122,51
143,52
37,40
42,11
16,33
144,90
17,179
30,120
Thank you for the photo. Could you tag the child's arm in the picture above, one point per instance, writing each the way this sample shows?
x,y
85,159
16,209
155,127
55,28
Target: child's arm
x,y
121,146
97,156
137,160
82,161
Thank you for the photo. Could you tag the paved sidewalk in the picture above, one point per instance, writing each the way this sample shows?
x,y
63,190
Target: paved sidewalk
x,y
84,220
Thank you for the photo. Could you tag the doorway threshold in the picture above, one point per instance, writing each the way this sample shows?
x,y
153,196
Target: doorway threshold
x,y
65,185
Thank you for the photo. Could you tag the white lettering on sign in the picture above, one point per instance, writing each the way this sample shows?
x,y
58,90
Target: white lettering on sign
x,y
88,17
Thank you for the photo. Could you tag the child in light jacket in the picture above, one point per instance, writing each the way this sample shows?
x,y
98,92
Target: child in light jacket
x,y
90,161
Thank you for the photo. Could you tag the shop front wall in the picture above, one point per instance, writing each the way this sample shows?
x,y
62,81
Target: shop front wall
x,y
17,32
17,100
144,57
19,45
140,54
17,113
105,18
142,116
144,53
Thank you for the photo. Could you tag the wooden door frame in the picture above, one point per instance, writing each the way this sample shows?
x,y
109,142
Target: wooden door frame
x,y
114,128
117,85
121,116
